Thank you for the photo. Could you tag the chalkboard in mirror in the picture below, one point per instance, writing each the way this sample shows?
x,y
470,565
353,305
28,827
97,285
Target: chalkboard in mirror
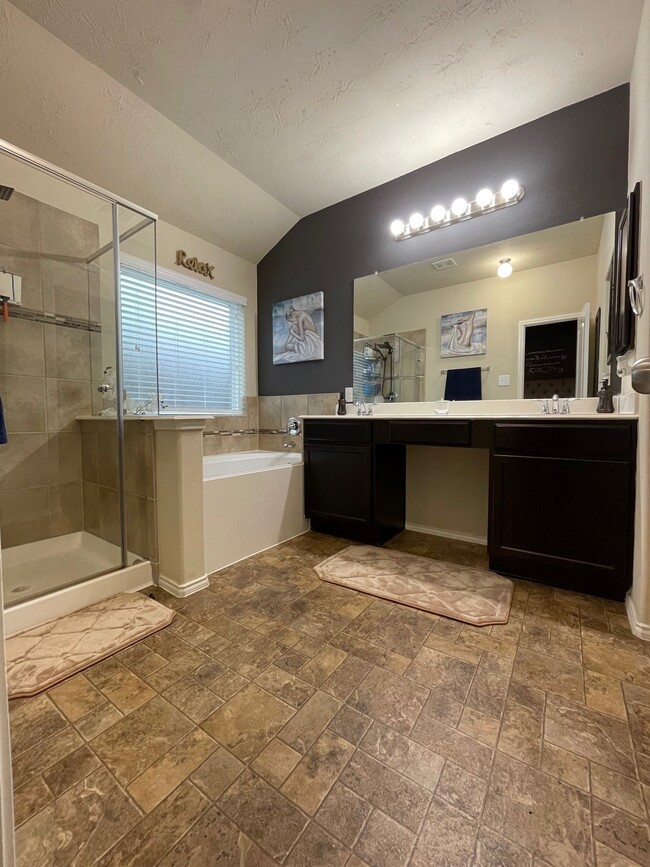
x,y
550,359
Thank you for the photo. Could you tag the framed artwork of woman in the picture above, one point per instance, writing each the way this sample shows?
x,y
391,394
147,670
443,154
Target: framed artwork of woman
x,y
298,329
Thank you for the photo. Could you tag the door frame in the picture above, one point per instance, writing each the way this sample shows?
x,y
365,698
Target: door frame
x,y
582,347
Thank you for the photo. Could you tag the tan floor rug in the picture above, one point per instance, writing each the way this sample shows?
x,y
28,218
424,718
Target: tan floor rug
x,y
463,593
44,655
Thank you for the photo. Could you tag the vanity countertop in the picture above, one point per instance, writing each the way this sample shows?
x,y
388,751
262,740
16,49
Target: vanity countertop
x,y
583,408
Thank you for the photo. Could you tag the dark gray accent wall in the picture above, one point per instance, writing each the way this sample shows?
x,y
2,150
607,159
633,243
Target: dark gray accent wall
x,y
572,164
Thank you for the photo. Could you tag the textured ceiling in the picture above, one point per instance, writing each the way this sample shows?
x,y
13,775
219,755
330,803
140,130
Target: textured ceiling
x,y
316,100
59,106
376,292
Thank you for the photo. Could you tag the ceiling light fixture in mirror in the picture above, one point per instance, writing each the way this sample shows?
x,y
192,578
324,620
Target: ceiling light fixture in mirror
x,y
486,201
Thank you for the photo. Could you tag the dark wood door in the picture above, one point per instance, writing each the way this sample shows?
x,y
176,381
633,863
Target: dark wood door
x,y
338,488
565,522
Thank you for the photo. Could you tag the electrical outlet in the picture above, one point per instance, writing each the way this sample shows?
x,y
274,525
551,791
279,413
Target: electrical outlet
x,y
504,379
349,395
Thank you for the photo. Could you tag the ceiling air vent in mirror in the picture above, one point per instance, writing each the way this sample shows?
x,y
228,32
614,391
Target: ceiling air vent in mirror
x,y
443,264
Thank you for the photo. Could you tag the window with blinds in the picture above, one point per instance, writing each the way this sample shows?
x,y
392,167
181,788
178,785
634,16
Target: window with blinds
x,y
199,365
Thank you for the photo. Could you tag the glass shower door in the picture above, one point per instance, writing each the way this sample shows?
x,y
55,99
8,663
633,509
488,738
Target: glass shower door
x,y
61,495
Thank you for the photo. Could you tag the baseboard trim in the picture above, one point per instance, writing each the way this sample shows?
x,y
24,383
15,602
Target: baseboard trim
x,y
182,590
641,630
447,534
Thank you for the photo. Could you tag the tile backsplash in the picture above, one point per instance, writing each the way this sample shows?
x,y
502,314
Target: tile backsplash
x,y
264,424
275,412
232,433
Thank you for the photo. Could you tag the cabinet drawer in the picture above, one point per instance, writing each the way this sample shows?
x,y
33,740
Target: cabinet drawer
x,y
589,441
431,433
338,431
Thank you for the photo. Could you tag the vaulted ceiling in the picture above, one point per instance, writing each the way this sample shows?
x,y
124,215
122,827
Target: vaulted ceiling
x,y
316,100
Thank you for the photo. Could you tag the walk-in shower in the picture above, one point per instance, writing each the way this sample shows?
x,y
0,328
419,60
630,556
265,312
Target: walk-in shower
x,y
64,509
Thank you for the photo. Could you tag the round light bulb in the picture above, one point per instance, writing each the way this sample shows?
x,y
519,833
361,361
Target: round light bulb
x,y
438,213
416,221
510,189
459,207
505,268
397,227
484,198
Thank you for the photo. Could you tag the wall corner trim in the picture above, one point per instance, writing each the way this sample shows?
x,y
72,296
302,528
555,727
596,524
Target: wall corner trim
x,y
641,630
185,589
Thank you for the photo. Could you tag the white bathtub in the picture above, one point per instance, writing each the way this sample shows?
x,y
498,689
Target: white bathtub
x,y
218,466
251,501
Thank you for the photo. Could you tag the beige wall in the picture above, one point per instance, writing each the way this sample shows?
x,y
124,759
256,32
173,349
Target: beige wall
x,y
639,170
548,291
447,491
60,106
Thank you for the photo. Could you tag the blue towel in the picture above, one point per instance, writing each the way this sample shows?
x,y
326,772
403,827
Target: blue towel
x,y
463,384
3,429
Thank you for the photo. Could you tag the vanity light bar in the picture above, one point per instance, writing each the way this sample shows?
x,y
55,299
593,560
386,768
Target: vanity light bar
x,y
486,202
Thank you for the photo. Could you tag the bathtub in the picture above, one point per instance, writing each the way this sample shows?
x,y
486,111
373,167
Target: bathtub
x,y
251,501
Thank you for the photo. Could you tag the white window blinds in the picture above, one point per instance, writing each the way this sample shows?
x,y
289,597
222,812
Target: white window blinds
x,y
199,337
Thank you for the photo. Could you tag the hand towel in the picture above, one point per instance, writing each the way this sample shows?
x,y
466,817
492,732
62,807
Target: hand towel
x,y
463,384
3,429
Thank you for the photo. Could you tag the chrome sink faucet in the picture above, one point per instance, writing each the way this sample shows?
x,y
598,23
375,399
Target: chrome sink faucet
x,y
556,404
566,406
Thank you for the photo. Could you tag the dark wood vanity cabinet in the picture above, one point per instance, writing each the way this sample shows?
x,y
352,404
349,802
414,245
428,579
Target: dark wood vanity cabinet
x,y
353,488
562,504
561,490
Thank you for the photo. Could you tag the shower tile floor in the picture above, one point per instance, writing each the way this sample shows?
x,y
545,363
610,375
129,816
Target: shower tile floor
x,y
281,720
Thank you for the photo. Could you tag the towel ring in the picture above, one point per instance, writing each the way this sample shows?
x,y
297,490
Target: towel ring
x,y
636,290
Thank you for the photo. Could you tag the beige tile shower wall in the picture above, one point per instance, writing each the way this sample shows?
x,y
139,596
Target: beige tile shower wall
x,y
101,510
45,371
275,412
232,433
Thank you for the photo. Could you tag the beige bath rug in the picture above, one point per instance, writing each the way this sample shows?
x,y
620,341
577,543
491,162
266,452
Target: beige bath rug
x,y
474,596
44,655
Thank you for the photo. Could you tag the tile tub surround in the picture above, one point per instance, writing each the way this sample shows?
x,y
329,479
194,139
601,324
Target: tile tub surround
x,y
45,370
232,433
275,412
101,515
279,720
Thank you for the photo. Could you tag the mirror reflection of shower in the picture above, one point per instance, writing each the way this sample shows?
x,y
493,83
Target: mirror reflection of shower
x,y
386,352
389,367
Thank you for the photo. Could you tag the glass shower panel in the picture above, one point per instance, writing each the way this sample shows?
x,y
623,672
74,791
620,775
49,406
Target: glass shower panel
x,y
60,498
137,252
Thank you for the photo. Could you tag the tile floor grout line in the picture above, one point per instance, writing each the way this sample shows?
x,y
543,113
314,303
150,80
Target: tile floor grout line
x,y
533,600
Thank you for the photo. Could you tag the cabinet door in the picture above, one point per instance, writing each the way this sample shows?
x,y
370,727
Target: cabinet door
x,y
562,522
338,483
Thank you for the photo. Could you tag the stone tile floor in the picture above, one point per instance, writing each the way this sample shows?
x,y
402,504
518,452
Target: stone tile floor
x,y
282,720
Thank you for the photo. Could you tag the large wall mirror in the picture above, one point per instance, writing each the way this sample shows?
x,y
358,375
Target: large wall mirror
x,y
454,327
